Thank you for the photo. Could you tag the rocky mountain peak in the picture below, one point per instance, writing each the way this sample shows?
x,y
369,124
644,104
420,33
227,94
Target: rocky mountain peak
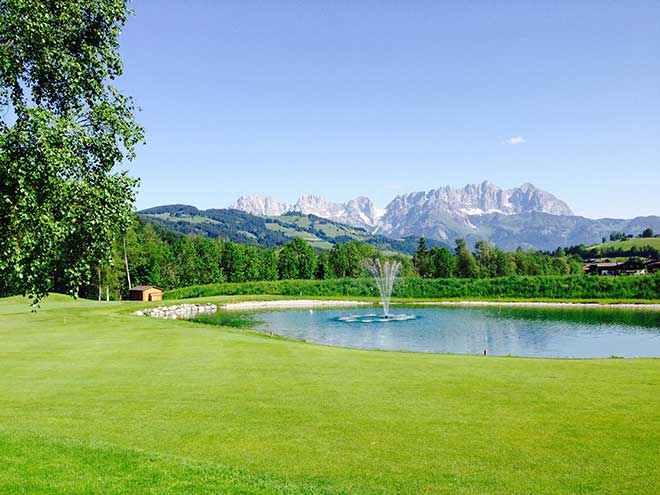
x,y
529,198
265,206
311,203
484,198
358,212
433,213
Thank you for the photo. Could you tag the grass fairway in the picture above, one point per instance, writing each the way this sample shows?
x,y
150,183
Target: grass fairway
x,y
93,400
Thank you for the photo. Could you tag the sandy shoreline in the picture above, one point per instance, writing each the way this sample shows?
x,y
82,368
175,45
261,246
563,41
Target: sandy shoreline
x,y
292,304
318,303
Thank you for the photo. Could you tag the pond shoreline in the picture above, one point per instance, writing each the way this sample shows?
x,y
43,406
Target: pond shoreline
x,y
539,304
319,303
292,304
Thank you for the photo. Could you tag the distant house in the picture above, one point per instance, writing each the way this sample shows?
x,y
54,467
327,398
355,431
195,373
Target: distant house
x,y
146,293
600,268
653,267
629,267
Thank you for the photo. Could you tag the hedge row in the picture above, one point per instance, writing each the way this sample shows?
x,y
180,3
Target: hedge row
x,y
530,287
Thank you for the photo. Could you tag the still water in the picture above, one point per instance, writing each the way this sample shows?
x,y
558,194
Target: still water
x,y
534,332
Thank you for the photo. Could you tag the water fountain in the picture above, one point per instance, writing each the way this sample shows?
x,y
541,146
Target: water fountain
x,y
384,273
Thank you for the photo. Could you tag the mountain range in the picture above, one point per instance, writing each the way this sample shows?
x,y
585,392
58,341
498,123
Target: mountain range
x,y
524,216
434,213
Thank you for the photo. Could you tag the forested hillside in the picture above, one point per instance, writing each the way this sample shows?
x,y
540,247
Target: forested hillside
x,y
245,228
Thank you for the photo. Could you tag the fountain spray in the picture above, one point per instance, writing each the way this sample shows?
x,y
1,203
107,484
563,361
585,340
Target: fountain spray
x,y
384,273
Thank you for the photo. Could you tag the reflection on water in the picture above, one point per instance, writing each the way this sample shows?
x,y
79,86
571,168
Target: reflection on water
x,y
581,315
540,332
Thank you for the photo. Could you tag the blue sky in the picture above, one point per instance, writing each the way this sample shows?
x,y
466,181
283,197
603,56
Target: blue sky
x,y
377,98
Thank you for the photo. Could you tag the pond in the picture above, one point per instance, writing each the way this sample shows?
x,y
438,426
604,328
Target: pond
x,y
502,331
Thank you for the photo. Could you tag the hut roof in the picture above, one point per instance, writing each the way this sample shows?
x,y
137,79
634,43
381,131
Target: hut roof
x,y
142,288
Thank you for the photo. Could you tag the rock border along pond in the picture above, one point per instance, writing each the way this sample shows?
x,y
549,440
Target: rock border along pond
x,y
178,311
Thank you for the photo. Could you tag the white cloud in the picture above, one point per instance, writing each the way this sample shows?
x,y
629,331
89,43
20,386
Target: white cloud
x,y
515,140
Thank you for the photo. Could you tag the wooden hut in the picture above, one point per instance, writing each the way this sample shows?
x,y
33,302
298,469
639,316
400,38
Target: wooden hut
x,y
146,293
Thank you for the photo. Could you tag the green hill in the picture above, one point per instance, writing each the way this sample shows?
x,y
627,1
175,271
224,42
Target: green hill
x,y
628,244
238,226
647,247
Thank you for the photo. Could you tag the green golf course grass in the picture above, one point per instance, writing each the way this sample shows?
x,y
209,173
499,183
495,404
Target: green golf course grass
x,y
94,400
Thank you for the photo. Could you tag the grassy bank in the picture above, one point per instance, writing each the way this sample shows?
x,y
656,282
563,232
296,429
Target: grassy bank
x,y
97,401
510,288
628,244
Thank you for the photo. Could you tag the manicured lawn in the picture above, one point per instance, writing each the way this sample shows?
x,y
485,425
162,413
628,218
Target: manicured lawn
x,y
93,400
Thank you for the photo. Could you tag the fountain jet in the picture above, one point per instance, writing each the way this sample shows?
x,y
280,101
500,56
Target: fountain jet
x,y
384,272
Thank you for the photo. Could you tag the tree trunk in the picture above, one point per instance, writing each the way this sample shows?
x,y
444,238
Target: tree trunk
x,y
107,293
128,274
100,284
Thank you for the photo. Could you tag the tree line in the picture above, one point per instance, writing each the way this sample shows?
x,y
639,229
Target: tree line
x,y
156,256
488,261
588,252
147,254
622,236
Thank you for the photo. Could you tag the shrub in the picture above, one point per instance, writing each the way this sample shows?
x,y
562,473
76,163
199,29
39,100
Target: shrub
x,y
527,287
